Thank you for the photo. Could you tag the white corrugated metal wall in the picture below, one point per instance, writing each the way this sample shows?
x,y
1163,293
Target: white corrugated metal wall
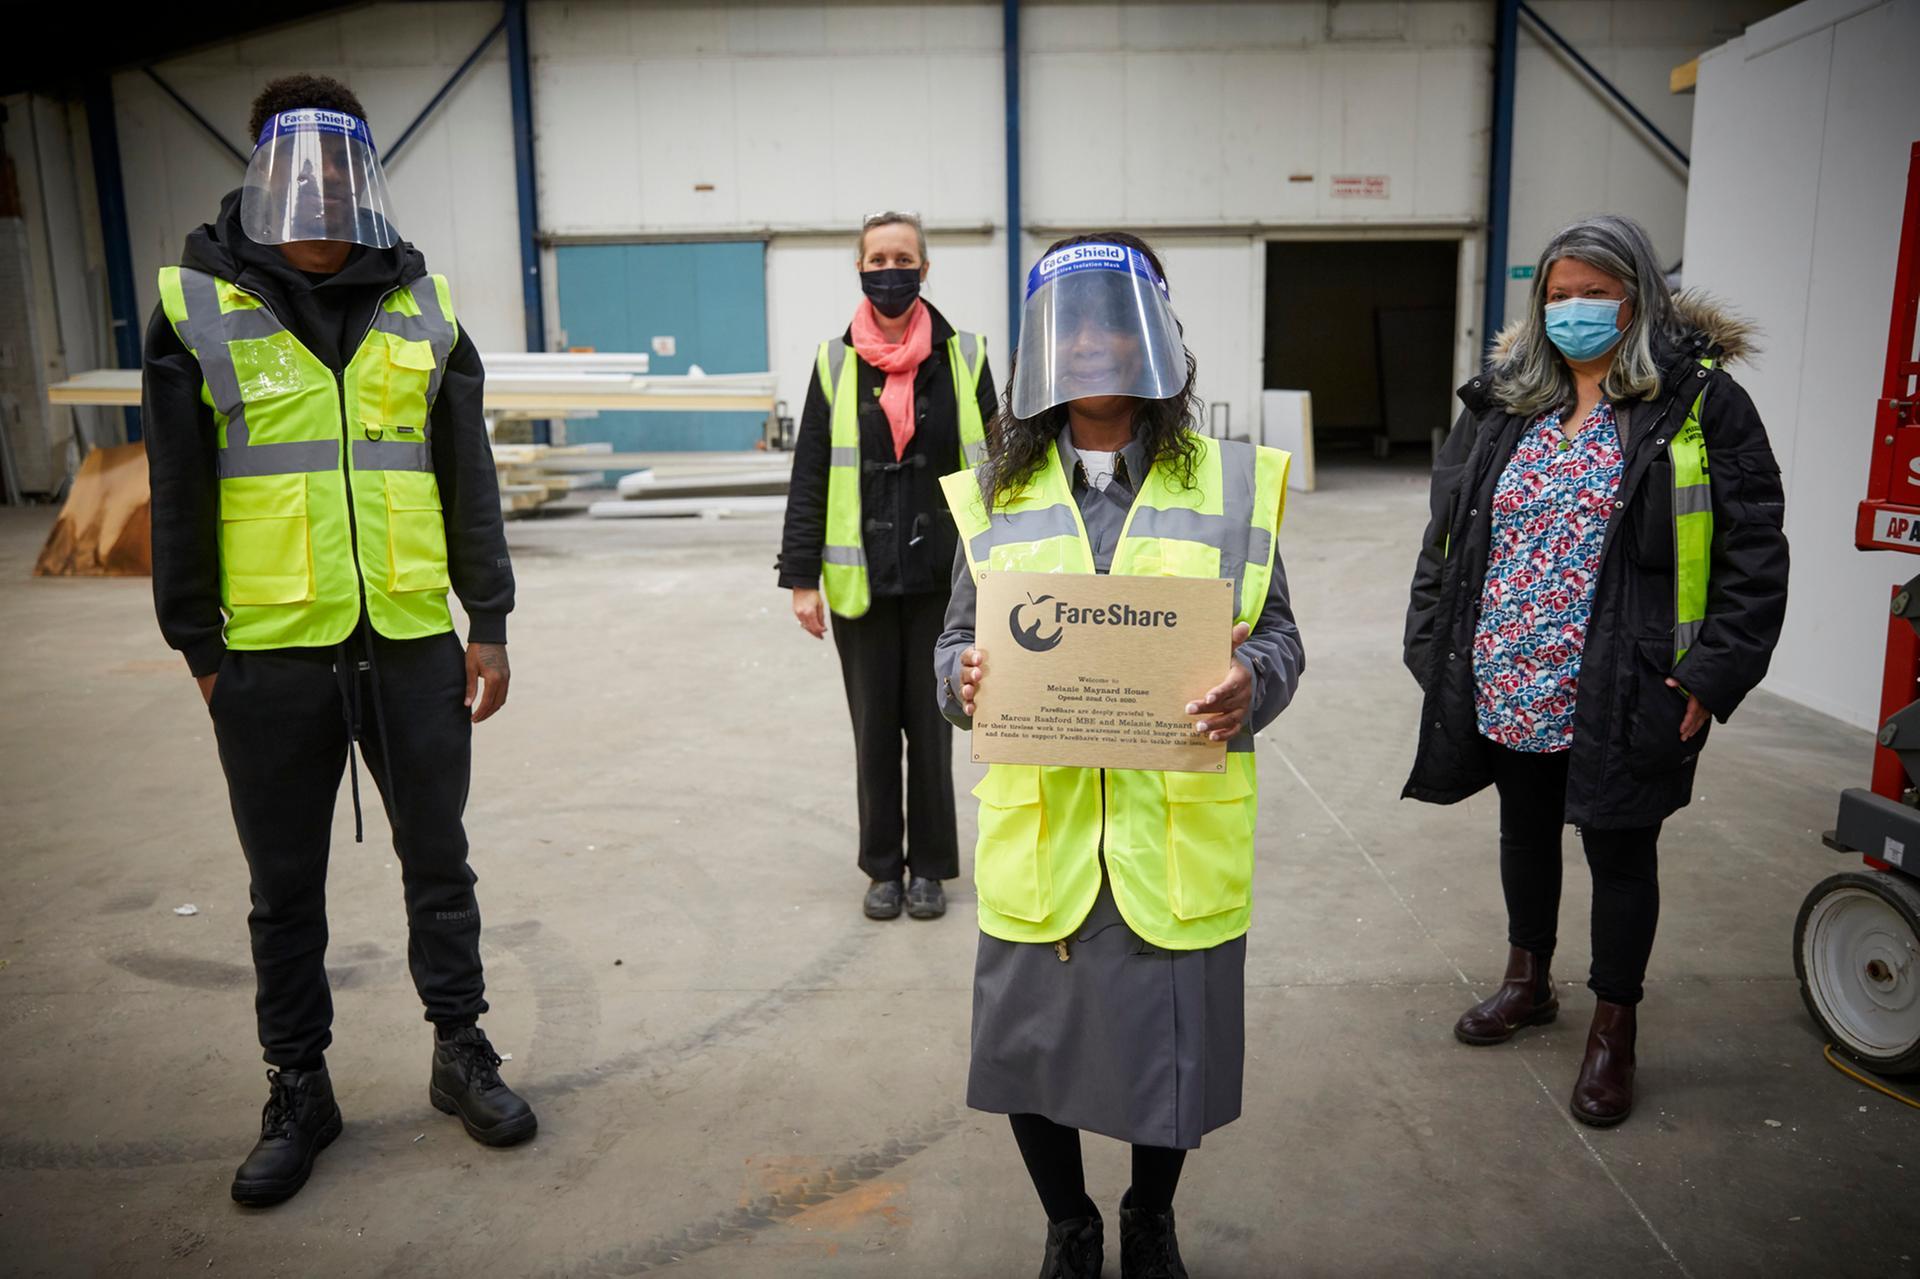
x,y
1210,127
1802,136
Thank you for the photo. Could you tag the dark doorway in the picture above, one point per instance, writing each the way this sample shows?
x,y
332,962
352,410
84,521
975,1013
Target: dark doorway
x,y
1366,327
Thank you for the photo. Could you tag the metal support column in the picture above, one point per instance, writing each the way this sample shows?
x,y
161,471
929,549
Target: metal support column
x,y
1493,307
104,138
1011,59
520,76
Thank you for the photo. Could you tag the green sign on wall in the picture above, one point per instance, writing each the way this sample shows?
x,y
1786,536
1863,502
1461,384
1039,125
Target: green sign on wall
x,y
1520,273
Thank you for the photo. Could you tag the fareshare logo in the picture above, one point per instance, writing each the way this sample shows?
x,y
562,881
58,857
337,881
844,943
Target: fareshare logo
x,y
1062,615
1028,637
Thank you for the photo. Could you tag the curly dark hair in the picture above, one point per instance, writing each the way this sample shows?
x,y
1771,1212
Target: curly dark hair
x,y
1017,447
292,92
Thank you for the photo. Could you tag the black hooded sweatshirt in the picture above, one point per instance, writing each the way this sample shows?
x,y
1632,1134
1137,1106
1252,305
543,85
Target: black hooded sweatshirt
x,y
329,315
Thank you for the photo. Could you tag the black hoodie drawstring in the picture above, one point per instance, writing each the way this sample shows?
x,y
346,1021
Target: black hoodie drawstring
x,y
347,668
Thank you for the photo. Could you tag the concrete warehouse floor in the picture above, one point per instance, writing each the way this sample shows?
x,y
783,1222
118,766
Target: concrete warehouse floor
x,y
737,1075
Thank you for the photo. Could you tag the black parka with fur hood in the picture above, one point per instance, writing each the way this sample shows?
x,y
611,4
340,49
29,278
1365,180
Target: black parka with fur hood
x,y
1628,766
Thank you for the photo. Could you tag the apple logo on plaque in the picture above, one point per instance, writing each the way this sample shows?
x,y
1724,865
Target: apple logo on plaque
x,y
1029,637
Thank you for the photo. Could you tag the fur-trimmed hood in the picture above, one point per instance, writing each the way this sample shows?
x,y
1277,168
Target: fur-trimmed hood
x,y
1716,327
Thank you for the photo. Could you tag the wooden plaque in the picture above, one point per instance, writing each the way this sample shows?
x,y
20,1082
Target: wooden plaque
x,y
1090,671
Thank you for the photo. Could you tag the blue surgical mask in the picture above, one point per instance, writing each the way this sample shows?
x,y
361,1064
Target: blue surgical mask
x,y
1583,328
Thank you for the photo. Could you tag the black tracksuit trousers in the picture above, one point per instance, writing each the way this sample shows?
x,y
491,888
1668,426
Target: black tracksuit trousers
x,y
282,719
886,658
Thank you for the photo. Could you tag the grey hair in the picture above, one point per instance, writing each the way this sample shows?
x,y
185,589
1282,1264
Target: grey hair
x,y
1530,376
891,217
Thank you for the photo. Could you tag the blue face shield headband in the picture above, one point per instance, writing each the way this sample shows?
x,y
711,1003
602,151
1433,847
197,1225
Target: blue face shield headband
x,y
1097,322
315,175
1583,328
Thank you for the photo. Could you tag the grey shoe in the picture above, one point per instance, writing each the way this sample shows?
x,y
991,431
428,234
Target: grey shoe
x,y
925,898
883,899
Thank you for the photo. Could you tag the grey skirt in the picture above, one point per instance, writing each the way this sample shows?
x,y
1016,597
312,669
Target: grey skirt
x,y
1123,1039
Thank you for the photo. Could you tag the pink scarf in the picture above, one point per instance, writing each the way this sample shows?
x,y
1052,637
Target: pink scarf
x,y
898,360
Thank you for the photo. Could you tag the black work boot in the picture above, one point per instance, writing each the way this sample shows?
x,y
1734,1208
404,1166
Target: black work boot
x,y
467,1083
925,898
1148,1247
299,1121
883,899
1076,1249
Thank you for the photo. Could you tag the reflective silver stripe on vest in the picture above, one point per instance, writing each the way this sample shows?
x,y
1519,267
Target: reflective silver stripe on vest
x,y
975,453
1686,633
292,458
391,455
1024,526
1231,532
969,347
843,457
207,335
854,556
836,360
430,326
1692,499
246,325
1241,743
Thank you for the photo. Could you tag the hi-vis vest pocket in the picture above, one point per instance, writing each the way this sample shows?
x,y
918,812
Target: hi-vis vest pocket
x,y
416,533
1209,842
409,370
265,367
1012,868
264,554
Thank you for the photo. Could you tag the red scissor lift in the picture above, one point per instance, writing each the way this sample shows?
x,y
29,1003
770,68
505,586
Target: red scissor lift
x,y
1857,940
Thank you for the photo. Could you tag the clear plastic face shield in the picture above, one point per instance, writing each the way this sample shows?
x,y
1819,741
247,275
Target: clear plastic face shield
x,y
1097,322
315,175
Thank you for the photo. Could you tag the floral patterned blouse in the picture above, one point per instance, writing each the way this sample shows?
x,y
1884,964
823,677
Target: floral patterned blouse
x,y
1550,515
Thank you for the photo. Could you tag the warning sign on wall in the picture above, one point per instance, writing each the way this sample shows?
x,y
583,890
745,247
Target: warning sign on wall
x,y
1359,186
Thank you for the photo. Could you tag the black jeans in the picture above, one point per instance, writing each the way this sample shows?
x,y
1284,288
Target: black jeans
x,y
1625,866
281,720
886,658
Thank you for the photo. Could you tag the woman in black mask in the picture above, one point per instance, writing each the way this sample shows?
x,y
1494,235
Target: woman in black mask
x,y
898,400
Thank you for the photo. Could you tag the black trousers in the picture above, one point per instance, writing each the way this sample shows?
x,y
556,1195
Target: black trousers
x,y
886,659
1052,1154
1624,863
281,719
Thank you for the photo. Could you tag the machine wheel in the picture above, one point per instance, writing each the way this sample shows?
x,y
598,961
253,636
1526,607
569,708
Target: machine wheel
x,y
1856,951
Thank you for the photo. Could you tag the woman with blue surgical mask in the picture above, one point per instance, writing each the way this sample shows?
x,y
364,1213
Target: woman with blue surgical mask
x,y
1604,573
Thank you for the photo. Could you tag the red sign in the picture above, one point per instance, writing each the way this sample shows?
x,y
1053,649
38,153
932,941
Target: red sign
x,y
1359,186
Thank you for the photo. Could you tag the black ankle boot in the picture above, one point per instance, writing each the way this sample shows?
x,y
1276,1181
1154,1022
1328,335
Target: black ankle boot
x,y
299,1121
1148,1247
467,1083
1076,1249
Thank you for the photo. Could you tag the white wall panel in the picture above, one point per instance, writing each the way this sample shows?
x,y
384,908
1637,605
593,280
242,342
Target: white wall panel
x,y
453,184
1801,160
1574,151
1213,282
812,292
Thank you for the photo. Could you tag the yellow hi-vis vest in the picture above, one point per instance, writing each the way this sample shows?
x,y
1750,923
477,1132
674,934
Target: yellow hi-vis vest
x,y
843,567
1178,846
307,525
1692,525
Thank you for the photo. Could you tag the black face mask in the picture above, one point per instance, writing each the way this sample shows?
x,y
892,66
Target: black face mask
x,y
891,291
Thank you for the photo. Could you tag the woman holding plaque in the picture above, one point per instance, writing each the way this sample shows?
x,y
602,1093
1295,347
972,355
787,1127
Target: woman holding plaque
x,y
1590,594
1113,904
899,399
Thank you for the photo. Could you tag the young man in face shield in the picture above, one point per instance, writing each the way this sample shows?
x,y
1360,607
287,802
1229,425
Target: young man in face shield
x,y
321,477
